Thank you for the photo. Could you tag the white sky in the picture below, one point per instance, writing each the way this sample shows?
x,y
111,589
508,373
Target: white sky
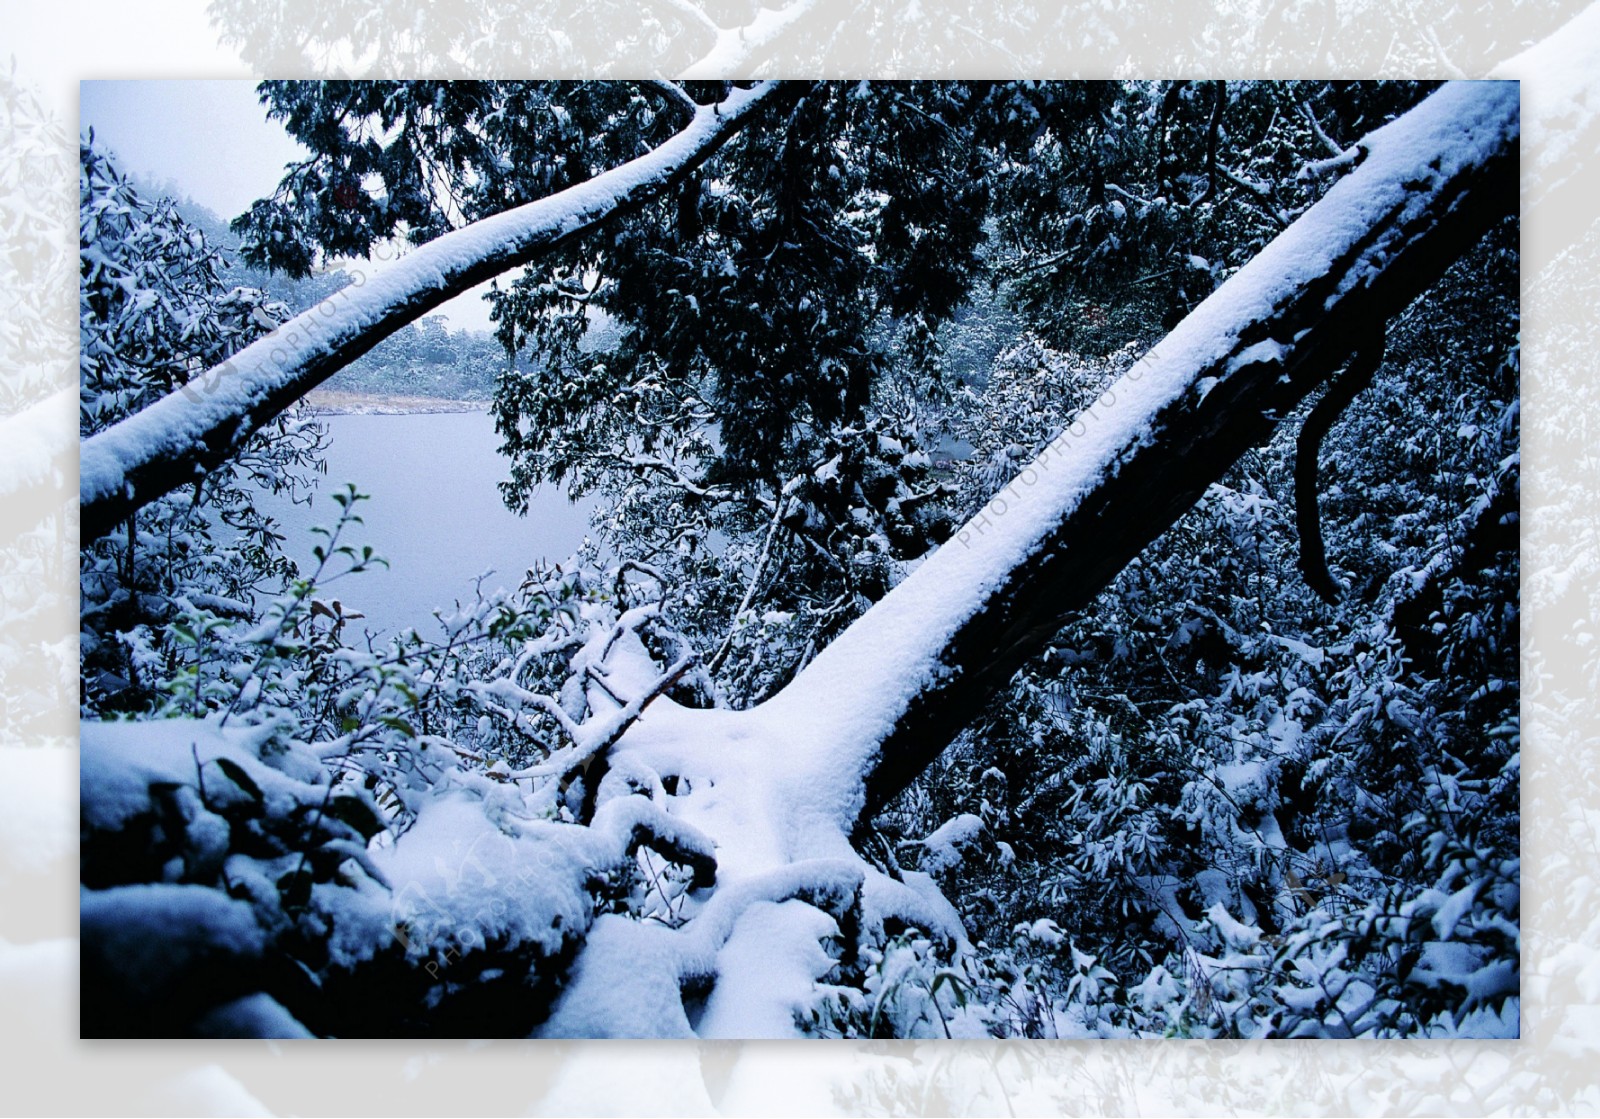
x,y
55,44
211,137
213,140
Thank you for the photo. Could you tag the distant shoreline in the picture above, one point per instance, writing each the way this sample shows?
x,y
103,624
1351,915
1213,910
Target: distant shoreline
x,y
336,403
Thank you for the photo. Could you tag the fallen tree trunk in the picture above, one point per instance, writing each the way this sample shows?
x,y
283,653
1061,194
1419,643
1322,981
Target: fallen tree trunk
x,y
202,424
890,693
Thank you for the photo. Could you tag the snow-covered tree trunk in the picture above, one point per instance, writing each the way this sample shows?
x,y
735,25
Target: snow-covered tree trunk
x,y
885,698
207,420
780,789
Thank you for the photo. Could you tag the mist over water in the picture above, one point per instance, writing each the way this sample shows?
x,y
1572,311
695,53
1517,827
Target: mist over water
x,y
434,513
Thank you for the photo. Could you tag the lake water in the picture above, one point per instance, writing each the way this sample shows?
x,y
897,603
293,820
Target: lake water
x,y
435,514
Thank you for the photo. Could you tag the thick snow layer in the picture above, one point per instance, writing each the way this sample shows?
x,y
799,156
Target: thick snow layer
x,y
119,762
625,984
948,841
749,789
628,980
218,401
1235,934
151,934
916,900
458,880
769,968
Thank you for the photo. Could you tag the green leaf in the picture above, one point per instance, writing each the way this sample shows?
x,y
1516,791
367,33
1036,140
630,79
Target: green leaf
x,y
235,773
395,722
294,889
358,814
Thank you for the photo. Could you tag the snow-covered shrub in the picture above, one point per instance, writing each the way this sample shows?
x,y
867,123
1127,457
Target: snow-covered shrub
x,y
430,822
155,311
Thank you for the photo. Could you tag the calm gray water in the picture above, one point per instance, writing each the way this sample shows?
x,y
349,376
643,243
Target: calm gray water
x,y
435,514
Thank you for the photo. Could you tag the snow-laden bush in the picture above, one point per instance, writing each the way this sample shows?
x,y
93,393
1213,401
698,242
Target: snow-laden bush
x,y
154,312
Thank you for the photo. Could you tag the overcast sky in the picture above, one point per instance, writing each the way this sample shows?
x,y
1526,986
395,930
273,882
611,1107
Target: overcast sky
x,y
213,140
211,137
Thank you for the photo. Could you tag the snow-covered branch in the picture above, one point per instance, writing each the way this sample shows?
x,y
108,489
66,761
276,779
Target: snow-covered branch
x,y
885,697
735,46
200,425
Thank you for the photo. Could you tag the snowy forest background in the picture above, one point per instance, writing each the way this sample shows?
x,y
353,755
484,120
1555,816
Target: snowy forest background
x,y
1217,804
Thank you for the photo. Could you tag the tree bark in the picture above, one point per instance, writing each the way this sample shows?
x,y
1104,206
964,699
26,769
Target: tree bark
x,y
1307,515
